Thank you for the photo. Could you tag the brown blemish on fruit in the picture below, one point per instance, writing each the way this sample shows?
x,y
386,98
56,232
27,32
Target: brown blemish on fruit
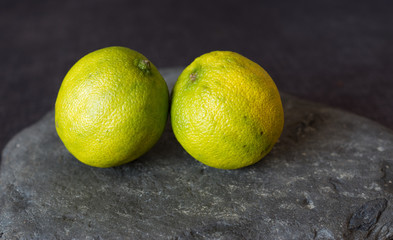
x,y
193,77
147,63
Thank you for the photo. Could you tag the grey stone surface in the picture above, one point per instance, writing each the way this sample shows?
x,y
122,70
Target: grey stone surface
x,y
329,177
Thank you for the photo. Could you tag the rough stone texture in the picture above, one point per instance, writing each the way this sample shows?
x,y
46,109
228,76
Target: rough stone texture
x,y
329,177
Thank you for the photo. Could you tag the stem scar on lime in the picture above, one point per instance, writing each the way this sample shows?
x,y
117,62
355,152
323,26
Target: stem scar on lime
x,y
143,64
193,76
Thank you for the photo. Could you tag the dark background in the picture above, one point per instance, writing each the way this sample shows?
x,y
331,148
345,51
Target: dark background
x,y
339,53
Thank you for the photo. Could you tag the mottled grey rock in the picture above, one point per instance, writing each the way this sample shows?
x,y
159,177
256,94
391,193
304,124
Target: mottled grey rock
x,y
329,177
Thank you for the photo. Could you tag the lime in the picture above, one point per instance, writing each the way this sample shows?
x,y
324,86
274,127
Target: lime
x,y
112,107
226,110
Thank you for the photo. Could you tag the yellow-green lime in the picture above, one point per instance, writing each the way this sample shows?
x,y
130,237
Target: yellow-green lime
x,y
226,110
112,107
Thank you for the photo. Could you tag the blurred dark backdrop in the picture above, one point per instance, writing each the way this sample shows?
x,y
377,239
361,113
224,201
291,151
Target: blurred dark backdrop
x,y
335,52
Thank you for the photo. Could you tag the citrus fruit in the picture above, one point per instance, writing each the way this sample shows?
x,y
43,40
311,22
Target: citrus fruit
x,y
226,110
112,107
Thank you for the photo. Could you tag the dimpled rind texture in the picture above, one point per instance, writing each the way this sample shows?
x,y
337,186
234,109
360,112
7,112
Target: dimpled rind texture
x,y
112,107
226,110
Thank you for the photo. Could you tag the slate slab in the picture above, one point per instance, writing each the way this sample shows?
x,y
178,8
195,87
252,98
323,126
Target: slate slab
x,y
329,177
